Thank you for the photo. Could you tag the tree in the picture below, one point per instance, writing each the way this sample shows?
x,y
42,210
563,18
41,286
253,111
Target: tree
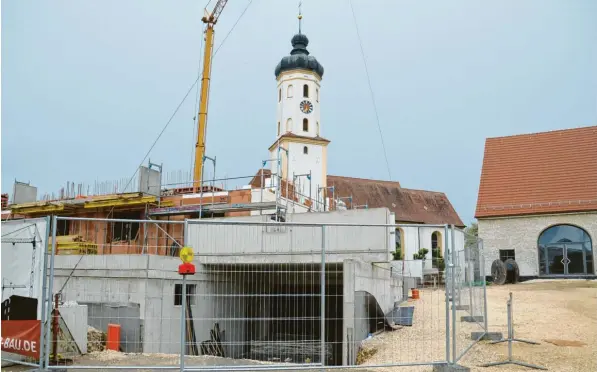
x,y
471,234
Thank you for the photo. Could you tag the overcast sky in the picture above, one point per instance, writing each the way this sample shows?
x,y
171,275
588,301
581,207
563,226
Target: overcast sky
x,y
88,85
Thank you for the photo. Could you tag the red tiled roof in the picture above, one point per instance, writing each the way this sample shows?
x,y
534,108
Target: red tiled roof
x,y
549,172
256,180
415,206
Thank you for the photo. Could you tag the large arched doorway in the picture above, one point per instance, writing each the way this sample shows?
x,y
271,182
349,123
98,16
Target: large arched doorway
x,y
565,250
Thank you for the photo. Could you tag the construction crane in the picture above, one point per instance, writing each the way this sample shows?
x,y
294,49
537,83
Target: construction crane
x,y
210,19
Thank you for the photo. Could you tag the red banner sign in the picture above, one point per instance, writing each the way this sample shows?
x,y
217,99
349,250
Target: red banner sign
x,y
21,337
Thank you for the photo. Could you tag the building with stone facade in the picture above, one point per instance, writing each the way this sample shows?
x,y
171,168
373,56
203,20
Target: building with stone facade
x,y
537,202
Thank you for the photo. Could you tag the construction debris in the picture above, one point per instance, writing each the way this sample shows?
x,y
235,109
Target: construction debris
x,y
96,340
290,349
365,353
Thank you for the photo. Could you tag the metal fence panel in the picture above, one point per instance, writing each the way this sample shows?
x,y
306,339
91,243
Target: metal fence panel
x,y
264,295
24,280
469,315
118,276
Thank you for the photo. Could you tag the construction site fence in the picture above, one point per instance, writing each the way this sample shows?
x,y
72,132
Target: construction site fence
x,y
264,295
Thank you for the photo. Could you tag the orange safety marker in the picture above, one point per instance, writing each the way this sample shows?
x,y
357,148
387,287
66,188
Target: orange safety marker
x,y
113,342
415,294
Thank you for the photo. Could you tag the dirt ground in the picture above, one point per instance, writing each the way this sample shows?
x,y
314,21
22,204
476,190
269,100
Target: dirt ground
x,y
559,314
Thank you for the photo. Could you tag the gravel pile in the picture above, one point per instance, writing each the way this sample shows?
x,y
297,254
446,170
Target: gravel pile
x,y
96,340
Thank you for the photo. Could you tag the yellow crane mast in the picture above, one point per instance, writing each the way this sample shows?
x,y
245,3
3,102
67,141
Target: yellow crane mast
x,y
210,20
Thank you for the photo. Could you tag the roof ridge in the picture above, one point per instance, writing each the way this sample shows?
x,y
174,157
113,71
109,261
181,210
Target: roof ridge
x,y
429,191
367,179
545,132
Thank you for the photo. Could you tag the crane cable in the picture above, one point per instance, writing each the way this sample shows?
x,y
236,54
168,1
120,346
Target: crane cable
x,y
197,97
162,132
180,104
370,89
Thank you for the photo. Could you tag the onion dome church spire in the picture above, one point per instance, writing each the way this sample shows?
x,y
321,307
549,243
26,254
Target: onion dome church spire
x,y
299,57
299,146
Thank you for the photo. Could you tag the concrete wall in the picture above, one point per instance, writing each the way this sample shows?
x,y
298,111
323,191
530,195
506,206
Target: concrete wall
x,y
522,234
364,283
149,281
252,243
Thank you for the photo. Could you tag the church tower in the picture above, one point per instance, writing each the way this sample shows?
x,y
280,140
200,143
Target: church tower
x,y
299,143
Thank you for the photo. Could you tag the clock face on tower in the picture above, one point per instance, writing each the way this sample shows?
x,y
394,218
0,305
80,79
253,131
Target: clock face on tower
x,y
306,107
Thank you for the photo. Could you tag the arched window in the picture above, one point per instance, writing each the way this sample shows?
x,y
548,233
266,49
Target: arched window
x,y
289,125
305,150
289,92
317,94
398,253
279,94
306,91
317,128
436,250
305,125
278,128
565,250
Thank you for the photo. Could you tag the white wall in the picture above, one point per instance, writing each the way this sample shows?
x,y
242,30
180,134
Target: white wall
x,y
522,234
290,107
253,243
417,237
269,195
301,163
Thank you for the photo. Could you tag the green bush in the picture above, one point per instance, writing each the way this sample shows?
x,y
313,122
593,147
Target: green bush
x,y
421,254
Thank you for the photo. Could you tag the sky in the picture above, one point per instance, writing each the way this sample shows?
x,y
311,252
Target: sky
x,y
87,86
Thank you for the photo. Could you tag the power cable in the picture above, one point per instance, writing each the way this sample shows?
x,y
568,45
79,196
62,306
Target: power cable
x,y
233,26
371,90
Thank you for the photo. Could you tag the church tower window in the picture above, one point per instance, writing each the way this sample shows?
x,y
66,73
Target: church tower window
x,y
306,91
278,128
289,125
317,94
317,129
289,92
305,150
280,95
305,125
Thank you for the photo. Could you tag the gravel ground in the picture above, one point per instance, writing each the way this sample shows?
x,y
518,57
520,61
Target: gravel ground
x,y
560,314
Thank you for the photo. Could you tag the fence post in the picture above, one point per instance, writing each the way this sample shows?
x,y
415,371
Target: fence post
x,y
454,258
50,290
483,278
470,256
183,322
44,294
448,262
183,312
323,244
